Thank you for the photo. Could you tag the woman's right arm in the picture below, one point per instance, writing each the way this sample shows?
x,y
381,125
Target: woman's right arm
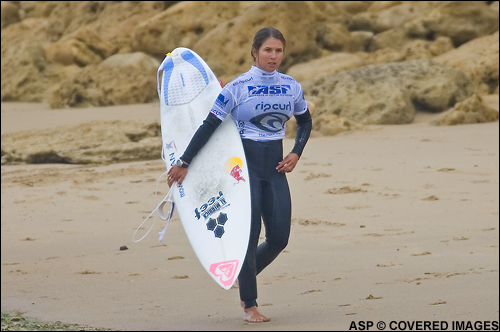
x,y
201,136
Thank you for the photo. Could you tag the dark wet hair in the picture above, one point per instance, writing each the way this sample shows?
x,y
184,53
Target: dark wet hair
x,y
262,35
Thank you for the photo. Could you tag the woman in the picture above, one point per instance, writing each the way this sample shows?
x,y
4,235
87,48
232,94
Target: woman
x,y
260,102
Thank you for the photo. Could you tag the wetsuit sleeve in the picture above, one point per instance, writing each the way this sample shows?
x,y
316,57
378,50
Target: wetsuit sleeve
x,y
304,127
200,137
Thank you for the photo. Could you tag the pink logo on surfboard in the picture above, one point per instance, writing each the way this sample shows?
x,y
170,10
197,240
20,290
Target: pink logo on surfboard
x,y
226,271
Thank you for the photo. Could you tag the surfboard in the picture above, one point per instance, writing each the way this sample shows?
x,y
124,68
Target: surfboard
x,y
213,201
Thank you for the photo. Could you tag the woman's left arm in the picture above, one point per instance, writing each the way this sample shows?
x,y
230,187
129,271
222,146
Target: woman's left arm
x,y
304,127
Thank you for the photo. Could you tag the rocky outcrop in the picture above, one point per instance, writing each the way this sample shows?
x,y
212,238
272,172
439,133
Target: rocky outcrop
x,y
388,93
97,142
472,110
119,80
479,60
63,52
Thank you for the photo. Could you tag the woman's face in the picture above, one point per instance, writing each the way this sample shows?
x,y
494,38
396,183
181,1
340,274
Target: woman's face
x,y
269,55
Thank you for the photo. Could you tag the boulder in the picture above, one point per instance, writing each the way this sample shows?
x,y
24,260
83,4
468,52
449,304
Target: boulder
x,y
10,14
83,47
462,21
479,60
182,25
96,142
325,66
119,80
226,48
472,110
389,93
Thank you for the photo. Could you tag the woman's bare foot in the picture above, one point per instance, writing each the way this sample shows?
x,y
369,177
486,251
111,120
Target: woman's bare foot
x,y
253,315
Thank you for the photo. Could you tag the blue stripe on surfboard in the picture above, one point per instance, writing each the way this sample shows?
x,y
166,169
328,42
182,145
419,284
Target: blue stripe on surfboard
x,y
193,60
167,73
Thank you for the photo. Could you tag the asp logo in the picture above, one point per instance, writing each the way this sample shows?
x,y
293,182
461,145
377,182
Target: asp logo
x,y
221,101
254,90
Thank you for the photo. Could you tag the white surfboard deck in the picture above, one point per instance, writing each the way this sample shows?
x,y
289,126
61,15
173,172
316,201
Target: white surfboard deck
x,y
213,201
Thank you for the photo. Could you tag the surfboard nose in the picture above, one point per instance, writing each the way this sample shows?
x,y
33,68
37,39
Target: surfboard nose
x,y
184,78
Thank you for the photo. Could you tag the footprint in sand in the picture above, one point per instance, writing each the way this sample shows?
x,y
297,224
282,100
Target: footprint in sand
x,y
315,176
430,198
446,169
344,190
28,239
311,291
371,297
175,257
89,272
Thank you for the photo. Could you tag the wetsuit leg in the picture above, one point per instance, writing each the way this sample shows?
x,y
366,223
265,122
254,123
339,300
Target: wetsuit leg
x,y
271,203
276,215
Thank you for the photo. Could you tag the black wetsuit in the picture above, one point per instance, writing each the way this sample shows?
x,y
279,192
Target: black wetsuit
x,y
260,103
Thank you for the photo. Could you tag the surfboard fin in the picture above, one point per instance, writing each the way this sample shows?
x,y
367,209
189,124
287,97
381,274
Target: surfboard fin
x,y
169,216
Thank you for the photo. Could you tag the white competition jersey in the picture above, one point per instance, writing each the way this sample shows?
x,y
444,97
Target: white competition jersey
x,y
260,103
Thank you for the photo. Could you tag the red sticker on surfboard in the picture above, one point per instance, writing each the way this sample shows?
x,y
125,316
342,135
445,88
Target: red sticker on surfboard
x,y
226,271
233,167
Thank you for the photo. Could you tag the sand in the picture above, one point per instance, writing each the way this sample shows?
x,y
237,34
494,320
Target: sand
x,y
390,223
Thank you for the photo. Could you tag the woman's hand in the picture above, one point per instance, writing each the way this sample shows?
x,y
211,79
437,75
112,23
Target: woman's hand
x,y
288,164
176,173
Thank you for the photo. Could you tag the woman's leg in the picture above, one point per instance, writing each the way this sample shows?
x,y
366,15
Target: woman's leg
x,y
276,214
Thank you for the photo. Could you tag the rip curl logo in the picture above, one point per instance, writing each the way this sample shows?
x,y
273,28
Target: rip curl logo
x,y
271,122
277,107
225,271
233,167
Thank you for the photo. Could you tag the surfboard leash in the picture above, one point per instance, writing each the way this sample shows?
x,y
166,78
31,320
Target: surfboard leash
x,y
159,209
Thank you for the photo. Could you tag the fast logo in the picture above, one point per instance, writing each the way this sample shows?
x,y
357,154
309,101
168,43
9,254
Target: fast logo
x,y
254,90
213,205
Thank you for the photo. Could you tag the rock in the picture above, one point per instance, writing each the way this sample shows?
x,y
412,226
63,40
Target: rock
x,y
325,66
333,37
388,93
472,110
182,24
83,47
462,21
479,60
49,44
377,6
388,15
119,80
10,13
228,56
96,142
333,124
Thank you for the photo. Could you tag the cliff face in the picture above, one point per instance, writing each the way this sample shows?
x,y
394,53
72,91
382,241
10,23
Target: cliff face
x,y
359,62
100,53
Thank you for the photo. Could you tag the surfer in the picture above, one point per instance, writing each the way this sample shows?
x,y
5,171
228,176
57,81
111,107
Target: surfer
x,y
260,102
